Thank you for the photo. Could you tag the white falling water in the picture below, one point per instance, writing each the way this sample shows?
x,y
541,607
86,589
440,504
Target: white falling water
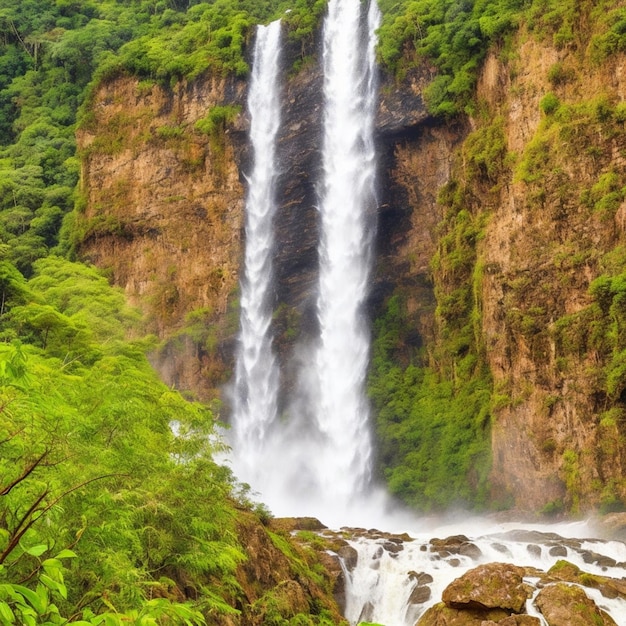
x,y
256,377
342,463
319,458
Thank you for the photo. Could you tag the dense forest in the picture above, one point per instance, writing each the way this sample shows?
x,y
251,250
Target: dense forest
x,y
111,499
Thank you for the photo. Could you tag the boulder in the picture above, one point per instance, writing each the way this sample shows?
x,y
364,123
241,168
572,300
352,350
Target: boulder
x,y
442,615
457,544
489,586
393,547
568,605
420,594
613,526
568,572
421,578
558,551
349,556
534,550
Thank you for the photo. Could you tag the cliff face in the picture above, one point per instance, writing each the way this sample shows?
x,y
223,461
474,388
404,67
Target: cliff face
x,y
163,211
554,228
163,214
526,251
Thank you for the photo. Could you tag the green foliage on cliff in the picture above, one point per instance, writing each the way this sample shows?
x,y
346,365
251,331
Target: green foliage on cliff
x,y
433,418
435,405
454,36
171,45
434,412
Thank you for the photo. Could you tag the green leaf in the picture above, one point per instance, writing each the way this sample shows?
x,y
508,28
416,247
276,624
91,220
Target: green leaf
x,y
6,614
53,567
8,591
53,585
37,550
66,554
37,601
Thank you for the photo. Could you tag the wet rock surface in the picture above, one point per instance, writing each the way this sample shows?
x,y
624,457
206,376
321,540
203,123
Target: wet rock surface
x,y
496,593
458,544
515,620
568,572
420,594
489,593
490,586
568,605
443,615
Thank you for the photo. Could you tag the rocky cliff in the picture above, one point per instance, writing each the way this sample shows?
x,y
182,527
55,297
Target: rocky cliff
x,y
537,170
555,233
162,213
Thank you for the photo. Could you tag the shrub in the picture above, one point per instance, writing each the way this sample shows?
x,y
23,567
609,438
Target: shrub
x,y
549,103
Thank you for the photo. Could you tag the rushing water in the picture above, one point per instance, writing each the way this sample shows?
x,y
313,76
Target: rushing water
x,y
395,583
257,377
343,463
318,456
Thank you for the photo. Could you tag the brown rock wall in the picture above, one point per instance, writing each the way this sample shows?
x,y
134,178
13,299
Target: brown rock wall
x,y
542,249
163,209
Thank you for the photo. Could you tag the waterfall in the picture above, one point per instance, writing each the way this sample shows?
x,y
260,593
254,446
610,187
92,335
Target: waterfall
x,y
319,457
347,207
256,376
318,460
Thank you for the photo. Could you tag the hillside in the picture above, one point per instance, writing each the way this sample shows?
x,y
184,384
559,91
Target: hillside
x,y
497,303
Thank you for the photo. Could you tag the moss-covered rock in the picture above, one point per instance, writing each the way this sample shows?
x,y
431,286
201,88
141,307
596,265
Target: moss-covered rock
x,y
490,586
568,605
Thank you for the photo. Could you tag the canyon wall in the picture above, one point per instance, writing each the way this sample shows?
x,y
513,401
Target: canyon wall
x,y
162,212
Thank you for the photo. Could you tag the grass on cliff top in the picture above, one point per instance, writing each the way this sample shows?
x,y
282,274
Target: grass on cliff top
x,y
455,37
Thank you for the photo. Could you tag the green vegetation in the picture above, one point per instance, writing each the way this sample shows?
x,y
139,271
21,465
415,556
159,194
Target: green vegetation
x,y
214,124
454,36
216,119
433,434
110,497
434,412
112,508
435,407
611,37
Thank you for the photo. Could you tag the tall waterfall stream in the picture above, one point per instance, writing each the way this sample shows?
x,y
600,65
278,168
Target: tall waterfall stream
x,y
321,465
342,464
256,376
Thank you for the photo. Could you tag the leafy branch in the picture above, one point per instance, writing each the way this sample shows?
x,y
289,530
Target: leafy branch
x,y
35,513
